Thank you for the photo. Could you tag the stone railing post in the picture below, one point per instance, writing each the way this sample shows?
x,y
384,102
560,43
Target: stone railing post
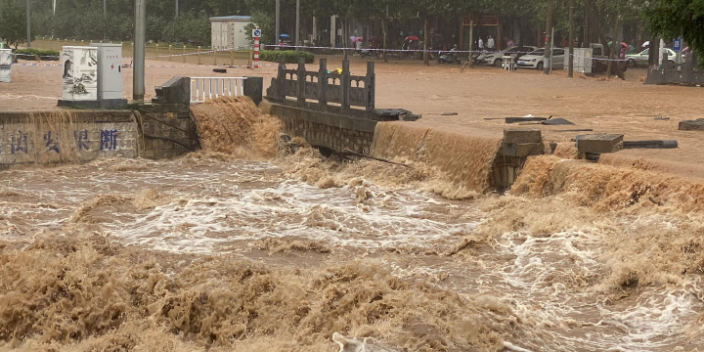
x,y
323,84
301,75
345,82
281,79
369,88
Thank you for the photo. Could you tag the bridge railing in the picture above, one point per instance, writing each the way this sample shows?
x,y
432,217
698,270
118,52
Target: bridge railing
x,y
326,87
203,88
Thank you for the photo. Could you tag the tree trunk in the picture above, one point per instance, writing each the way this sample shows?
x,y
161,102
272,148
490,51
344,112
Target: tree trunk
x,y
548,42
343,22
612,48
471,40
653,53
426,57
570,68
593,20
383,32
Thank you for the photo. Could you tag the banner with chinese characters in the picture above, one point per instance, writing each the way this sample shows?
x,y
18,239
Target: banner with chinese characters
x,y
5,64
80,73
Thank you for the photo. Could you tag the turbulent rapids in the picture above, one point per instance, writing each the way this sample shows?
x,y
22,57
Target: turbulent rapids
x,y
244,246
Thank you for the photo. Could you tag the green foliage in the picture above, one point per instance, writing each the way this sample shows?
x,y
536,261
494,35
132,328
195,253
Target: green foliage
x,y
290,56
672,18
35,52
13,22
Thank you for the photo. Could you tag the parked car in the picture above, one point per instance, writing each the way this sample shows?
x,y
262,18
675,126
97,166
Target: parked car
x,y
642,57
494,59
534,59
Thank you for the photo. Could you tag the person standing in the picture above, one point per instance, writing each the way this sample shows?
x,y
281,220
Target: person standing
x,y
490,43
510,43
481,44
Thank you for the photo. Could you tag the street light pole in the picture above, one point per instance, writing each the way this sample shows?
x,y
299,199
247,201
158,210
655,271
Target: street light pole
x,y
105,16
278,17
140,19
176,9
298,22
29,34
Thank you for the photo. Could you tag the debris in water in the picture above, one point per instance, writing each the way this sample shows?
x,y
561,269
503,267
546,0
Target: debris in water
x,y
557,121
655,144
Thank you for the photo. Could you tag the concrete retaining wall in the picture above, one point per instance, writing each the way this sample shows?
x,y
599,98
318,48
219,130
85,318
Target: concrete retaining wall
x,y
328,130
52,137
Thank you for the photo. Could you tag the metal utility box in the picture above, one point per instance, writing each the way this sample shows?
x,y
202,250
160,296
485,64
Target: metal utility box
x,y
109,70
80,73
582,60
5,64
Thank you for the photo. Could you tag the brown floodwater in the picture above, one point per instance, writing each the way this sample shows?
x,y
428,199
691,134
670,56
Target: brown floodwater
x,y
246,248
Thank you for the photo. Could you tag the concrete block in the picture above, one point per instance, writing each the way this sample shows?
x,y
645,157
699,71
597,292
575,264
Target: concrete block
x,y
694,125
521,150
253,88
600,143
522,135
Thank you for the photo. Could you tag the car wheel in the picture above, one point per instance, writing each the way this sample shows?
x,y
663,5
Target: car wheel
x,y
631,63
497,63
539,66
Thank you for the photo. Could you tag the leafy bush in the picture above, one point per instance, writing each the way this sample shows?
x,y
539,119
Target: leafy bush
x,y
290,56
35,52
30,54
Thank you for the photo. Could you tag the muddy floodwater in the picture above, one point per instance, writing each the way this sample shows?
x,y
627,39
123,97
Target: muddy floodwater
x,y
224,252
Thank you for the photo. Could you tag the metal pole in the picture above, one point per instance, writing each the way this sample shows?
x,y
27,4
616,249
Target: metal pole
x,y
278,17
52,26
140,14
29,34
105,16
570,73
298,22
176,9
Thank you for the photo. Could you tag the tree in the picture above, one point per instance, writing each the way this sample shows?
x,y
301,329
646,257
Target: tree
x,y
14,22
672,18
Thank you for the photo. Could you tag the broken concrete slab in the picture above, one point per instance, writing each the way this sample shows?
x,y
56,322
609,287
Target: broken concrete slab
x,y
692,125
599,143
525,119
557,121
522,136
522,150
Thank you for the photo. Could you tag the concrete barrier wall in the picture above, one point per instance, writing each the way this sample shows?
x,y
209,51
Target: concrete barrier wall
x,y
60,136
322,129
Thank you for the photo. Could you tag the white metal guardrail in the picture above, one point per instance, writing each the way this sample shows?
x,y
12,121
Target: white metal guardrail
x,y
203,88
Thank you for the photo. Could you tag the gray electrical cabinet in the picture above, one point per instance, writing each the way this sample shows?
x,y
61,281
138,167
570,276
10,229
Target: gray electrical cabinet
x,y
109,71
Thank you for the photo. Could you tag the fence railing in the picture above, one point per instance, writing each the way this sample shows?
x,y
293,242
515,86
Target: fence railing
x,y
326,87
203,88
164,52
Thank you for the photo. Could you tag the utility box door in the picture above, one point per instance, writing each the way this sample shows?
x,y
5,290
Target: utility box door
x,y
109,70
5,64
80,73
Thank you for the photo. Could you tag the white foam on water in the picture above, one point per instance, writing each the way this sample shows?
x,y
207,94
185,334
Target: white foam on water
x,y
291,209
